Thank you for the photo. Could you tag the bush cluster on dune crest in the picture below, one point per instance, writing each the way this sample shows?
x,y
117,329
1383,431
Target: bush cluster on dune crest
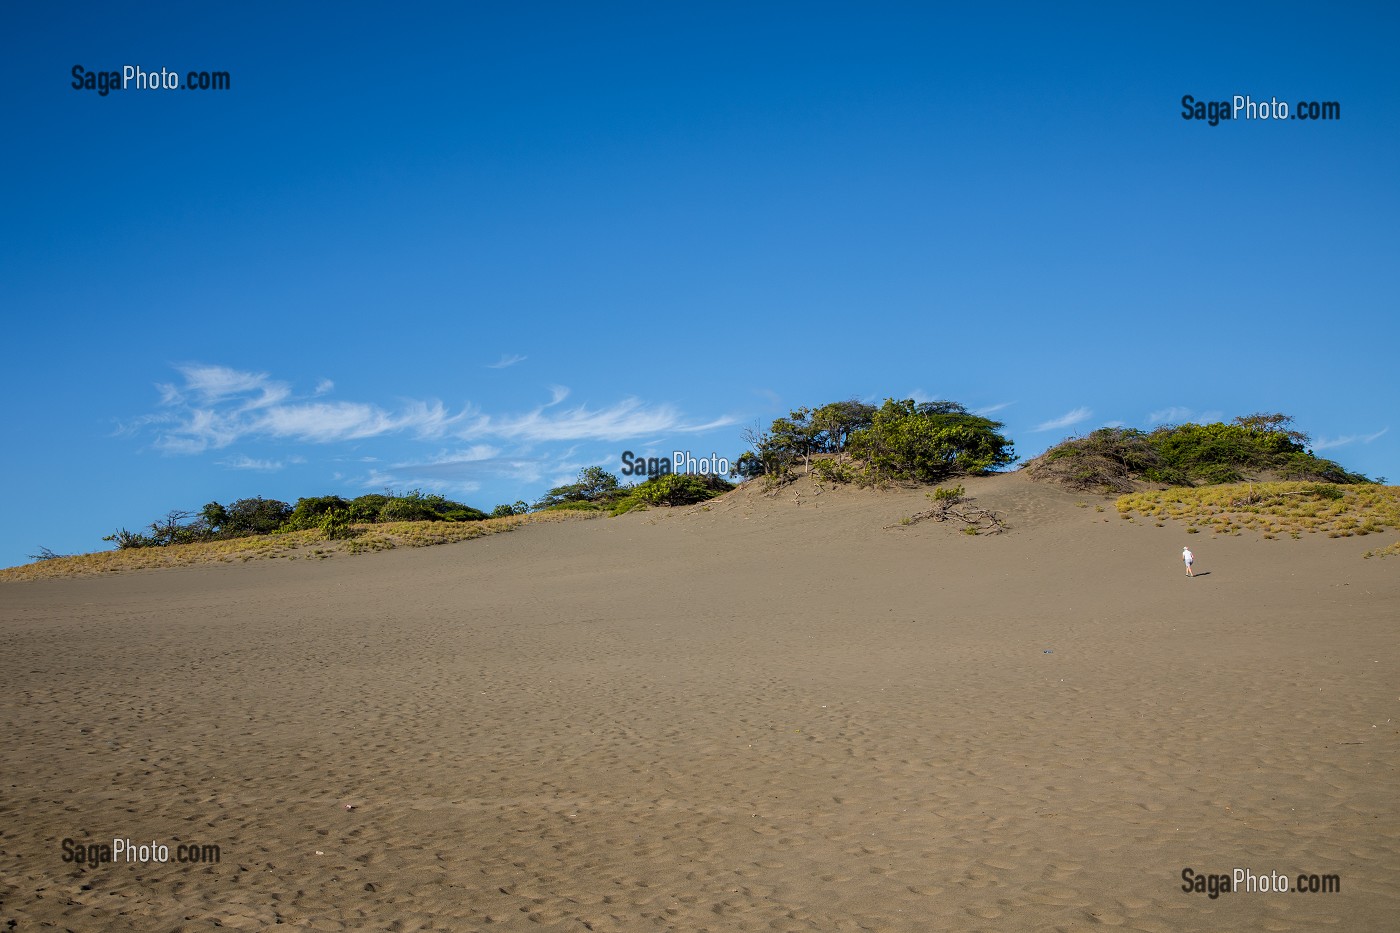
x,y
852,441
285,545
333,516
1258,446
671,489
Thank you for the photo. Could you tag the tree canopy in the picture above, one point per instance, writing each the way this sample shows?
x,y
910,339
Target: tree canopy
x,y
1261,445
901,440
594,486
258,516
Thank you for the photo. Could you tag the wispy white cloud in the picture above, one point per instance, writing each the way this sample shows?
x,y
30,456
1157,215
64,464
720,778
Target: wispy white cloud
x,y
992,409
1329,443
337,421
1173,414
324,386
1177,414
629,418
462,470
474,454
1068,419
248,463
210,385
214,407
402,480
507,359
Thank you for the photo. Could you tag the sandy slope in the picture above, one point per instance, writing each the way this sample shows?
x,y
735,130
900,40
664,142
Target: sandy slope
x,y
764,716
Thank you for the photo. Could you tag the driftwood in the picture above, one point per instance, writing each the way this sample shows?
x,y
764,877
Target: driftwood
x,y
952,505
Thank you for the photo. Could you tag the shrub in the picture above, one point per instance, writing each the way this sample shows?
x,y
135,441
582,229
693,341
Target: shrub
x,y
834,471
406,509
1324,491
673,489
748,465
594,484
309,511
125,540
214,516
416,506
805,432
929,441
336,524
366,508
1252,446
256,516
462,513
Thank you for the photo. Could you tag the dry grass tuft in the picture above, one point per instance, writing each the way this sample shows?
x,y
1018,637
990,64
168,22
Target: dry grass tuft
x,y
289,545
1392,550
1273,509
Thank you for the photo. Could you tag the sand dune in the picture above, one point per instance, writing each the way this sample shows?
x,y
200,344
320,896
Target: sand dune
x,y
772,714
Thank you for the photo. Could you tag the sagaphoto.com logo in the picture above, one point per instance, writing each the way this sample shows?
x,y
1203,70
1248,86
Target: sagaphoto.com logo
x,y
137,78
1245,107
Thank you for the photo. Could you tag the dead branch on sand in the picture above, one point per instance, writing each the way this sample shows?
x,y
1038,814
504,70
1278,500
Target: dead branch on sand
x,y
952,505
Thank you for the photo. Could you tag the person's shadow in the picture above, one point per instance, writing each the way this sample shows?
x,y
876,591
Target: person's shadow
x,y
1201,573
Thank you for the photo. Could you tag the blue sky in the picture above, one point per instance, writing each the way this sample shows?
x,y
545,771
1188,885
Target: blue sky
x,y
473,248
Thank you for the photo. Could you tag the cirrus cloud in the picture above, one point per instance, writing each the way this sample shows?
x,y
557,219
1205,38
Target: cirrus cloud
x,y
215,407
1068,419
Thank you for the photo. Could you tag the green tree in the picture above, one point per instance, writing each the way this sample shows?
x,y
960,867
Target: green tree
x,y
594,485
214,516
309,511
257,516
505,511
928,442
597,484
836,422
1273,423
366,508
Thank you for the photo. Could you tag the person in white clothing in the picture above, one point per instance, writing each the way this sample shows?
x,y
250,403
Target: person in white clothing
x,y
1189,558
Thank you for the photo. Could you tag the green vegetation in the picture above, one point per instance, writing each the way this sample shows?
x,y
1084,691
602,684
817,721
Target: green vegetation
x,y
672,489
1273,508
1258,446
361,521
902,440
366,508
929,442
595,488
332,516
308,544
952,503
854,442
804,433
1390,550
